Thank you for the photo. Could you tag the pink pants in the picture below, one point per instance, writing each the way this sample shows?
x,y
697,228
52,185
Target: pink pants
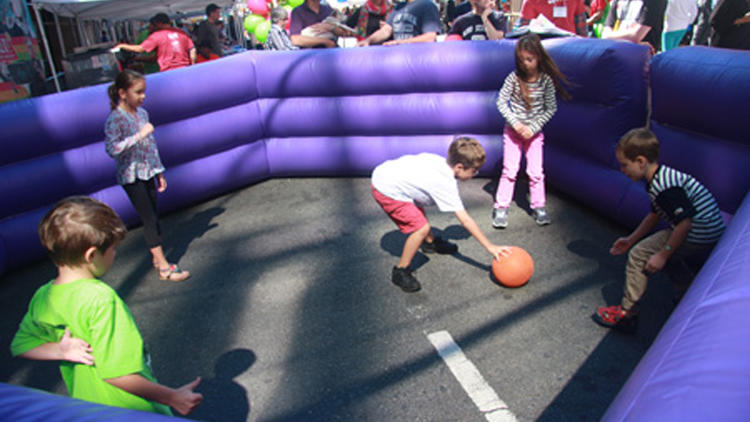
x,y
513,143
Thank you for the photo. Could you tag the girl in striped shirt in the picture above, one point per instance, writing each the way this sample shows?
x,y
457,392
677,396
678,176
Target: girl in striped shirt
x,y
527,102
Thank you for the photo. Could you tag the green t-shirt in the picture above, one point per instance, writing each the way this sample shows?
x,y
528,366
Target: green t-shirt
x,y
93,312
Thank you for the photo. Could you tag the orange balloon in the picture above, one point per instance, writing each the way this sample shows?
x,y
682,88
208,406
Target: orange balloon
x,y
513,270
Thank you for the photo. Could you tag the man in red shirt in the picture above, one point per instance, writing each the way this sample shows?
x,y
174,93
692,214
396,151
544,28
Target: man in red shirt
x,y
173,48
568,15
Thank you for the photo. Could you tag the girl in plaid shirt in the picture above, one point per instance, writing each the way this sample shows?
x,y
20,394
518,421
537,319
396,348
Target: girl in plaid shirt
x,y
130,141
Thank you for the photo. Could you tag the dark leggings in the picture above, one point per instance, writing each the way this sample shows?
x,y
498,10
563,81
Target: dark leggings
x,y
143,196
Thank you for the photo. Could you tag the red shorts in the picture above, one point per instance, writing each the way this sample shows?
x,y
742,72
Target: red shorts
x,y
407,216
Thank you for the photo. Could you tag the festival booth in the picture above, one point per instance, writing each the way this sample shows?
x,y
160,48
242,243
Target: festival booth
x,y
228,124
119,19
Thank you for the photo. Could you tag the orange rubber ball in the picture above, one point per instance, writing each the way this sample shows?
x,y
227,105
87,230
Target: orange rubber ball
x,y
513,270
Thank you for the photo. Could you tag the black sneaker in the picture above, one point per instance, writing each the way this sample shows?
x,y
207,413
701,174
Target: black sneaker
x,y
402,278
440,246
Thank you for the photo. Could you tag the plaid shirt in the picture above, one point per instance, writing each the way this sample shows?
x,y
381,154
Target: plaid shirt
x,y
135,159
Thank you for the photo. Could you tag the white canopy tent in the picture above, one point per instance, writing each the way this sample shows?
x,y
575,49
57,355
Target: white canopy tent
x,y
124,9
114,11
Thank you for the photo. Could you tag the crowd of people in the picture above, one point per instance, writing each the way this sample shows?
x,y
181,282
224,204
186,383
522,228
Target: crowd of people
x,y
660,24
162,46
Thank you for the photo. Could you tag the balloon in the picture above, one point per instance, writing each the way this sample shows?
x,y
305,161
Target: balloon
x,y
259,7
251,21
295,3
261,31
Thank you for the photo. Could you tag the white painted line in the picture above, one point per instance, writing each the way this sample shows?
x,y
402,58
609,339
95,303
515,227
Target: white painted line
x,y
483,396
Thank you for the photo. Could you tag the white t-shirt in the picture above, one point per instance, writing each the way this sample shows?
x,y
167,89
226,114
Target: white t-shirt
x,y
423,179
680,14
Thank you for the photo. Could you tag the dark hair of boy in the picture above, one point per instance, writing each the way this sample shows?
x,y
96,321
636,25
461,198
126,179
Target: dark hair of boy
x,y
639,142
466,151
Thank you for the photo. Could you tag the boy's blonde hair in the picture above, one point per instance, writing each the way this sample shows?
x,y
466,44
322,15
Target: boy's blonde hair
x,y
467,152
76,224
640,141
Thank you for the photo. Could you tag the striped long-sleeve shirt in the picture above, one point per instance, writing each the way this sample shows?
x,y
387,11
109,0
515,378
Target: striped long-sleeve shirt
x,y
278,39
676,195
543,102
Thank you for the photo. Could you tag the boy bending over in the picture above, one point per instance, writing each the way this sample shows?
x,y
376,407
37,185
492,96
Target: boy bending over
x,y
81,321
695,227
405,185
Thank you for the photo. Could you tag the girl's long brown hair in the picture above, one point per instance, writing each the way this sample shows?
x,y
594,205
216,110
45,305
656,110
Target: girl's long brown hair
x,y
124,80
533,45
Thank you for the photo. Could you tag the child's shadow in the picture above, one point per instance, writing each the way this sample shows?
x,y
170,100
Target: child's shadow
x,y
520,191
605,265
223,398
190,230
393,243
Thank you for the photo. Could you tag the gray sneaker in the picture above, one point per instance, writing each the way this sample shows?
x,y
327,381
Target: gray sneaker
x,y
541,216
500,218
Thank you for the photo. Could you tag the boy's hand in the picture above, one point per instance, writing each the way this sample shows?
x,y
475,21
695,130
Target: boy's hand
x,y
75,349
185,400
146,130
655,263
161,183
620,246
498,251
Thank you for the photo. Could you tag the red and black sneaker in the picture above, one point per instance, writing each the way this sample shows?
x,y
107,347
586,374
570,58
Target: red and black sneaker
x,y
616,318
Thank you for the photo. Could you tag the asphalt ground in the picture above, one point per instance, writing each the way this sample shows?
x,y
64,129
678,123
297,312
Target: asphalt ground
x,y
291,316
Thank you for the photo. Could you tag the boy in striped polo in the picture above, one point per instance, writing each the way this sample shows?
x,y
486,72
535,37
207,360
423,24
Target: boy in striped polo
x,y
695,227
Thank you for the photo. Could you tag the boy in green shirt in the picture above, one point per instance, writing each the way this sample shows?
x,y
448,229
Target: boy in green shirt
x,y
84,324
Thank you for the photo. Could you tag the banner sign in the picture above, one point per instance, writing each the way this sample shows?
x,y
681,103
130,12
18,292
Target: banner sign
x,y
21,65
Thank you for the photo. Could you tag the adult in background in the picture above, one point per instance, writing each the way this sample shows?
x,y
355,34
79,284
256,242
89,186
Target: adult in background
x,y
148,59
311,14
461,8
368,18
278,39
678,16
702,27
482,23
568,15
208,32
173,48
730,24
413,21
638,21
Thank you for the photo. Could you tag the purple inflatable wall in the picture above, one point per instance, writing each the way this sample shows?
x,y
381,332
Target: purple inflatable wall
x,y
700,110
315,113
28,404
